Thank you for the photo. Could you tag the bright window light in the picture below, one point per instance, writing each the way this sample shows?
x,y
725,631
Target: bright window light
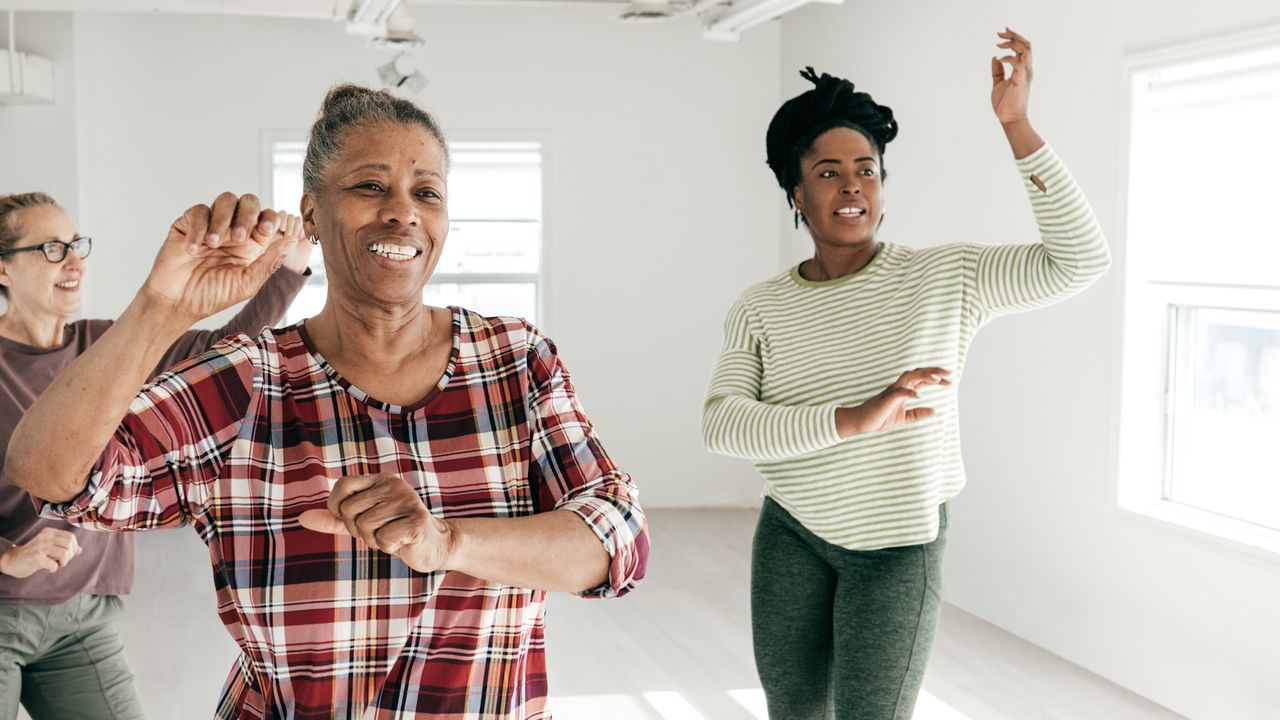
x,y
594,707
672,705
1201,389
929,707
752,700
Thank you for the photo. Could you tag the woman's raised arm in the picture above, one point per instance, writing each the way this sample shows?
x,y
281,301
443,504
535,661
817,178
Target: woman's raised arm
x,y
212,258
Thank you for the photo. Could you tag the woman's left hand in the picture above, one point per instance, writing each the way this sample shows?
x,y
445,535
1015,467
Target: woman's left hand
x,y
297,259
385,513
888,409
1009,94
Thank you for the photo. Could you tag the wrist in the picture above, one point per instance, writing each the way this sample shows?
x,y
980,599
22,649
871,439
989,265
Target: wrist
x,y
846,422
1023,139
453,544
293,267
159,313
5,558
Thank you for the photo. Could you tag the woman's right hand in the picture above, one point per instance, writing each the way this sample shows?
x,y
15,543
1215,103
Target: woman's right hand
x,y
888,410
215,257
50,550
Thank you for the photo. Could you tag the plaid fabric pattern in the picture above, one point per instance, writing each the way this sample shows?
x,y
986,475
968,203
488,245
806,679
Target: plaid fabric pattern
x,y
240,441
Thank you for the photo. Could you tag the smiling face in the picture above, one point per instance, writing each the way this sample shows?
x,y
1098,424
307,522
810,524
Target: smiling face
x,y
380,214
37,287
840,189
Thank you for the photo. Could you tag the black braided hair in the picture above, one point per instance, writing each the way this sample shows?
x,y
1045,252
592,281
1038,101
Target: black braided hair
x,y
830,104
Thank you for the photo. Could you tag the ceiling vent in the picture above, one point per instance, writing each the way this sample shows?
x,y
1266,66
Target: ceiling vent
x,y
652,10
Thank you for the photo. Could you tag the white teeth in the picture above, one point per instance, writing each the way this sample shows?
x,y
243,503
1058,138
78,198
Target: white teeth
x,y
69,285
393,252
851,212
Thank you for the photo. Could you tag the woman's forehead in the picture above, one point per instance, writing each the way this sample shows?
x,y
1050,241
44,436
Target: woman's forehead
x,y
42,222
391,144
842,142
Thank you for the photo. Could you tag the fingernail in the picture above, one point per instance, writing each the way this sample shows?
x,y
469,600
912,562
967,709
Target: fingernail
x,y
214,239
266,228
238,234
192,249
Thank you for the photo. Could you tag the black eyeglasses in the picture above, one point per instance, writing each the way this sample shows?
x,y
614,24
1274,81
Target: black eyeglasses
x,y
56,250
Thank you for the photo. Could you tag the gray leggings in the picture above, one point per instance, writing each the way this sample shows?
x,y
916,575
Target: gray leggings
x,y
839,633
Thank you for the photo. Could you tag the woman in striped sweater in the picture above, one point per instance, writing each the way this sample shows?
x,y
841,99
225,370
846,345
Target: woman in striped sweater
x,y
847,555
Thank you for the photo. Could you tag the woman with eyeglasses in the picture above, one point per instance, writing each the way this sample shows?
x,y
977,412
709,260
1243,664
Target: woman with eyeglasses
x,y
60,587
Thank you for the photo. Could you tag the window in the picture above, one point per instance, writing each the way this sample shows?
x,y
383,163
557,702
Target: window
x,y
1224,419
492,259
285,169
1200,429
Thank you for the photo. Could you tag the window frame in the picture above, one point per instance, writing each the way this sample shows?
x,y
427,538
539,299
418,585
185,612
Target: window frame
x,y
1141,405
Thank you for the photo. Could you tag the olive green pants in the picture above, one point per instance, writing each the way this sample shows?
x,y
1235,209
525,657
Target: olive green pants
x,y
839,633
65,661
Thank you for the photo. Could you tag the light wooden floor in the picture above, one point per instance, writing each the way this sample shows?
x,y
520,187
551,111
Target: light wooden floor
x,y
685,642
679,648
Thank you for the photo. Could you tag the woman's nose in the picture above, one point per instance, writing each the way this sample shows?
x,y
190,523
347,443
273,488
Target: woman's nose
x,y
399,211
72,260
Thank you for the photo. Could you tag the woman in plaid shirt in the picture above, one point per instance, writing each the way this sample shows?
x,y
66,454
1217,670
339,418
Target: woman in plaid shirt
x,y
387,490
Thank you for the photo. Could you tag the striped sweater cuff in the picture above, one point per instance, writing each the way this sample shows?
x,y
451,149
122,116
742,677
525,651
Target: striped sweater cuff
x,y
1036,166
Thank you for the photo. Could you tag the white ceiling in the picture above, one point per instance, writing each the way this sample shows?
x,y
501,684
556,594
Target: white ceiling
x,y
721,19
289,8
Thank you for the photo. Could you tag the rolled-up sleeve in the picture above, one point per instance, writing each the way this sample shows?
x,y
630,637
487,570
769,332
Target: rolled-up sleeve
x,y
570,470
168,450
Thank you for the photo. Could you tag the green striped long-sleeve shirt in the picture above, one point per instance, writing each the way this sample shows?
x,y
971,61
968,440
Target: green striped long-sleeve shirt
x,y
795,350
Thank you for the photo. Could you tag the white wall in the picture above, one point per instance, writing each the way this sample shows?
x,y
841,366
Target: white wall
x,y
1034,545
659,206
38,141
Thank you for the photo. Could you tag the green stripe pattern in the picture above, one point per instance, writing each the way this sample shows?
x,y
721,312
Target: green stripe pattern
x,y
795,350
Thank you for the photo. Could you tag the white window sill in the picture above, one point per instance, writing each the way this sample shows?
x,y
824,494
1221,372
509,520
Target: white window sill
x,y
1253,541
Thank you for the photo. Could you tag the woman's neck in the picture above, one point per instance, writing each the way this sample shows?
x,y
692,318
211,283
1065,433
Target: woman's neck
x,y
42,331
829,263
387,337
397,358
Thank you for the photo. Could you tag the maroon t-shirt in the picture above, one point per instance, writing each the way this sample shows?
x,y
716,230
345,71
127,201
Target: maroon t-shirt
x,y
105,563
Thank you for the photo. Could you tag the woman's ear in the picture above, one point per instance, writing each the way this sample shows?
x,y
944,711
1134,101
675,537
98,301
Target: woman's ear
x,y
308,209
798,204
797,199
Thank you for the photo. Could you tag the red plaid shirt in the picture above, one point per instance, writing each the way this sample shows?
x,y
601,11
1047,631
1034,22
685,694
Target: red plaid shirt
x,y
240,441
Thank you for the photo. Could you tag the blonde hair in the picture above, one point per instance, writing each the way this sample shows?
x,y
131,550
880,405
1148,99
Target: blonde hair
x,y
10,230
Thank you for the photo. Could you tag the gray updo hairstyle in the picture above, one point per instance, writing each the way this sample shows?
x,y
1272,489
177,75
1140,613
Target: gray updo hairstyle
x,y
348,107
